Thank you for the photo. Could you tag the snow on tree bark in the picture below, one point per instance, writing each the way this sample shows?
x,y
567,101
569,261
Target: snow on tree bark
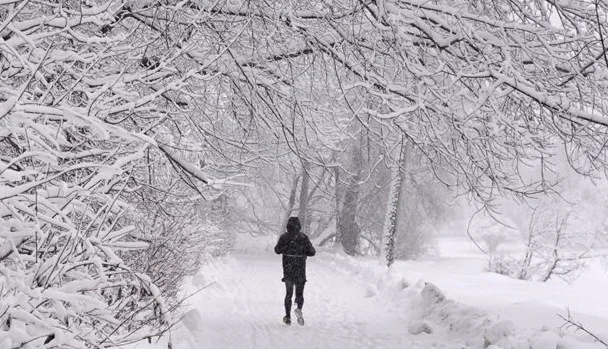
x,y
392,207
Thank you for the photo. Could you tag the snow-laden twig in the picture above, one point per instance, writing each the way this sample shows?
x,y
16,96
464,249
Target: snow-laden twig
x,y
570,322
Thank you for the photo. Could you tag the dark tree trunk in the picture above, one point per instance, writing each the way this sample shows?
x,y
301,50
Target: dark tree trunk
x,y
304,188
290,204
348,229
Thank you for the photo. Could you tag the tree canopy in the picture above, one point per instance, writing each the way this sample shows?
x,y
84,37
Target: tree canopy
x,y
116,113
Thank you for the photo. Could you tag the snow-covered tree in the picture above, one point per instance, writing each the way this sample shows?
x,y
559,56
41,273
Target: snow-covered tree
x,y
80,110
393,206
485,91
88,89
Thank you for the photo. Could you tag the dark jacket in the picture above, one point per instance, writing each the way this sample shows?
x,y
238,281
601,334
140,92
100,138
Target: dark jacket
x,y
295,247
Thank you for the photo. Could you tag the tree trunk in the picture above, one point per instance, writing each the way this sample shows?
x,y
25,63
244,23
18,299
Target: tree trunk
x,y
338,208
349,230
290,204
392,207
304,188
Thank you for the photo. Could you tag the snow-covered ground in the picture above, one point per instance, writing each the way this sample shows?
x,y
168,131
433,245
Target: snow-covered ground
x,y
448,301
460,273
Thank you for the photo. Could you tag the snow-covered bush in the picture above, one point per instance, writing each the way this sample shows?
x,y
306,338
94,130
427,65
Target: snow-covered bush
x,y
180,234
554,246
504,265
62,282
182,228
492,235
561,236
75,103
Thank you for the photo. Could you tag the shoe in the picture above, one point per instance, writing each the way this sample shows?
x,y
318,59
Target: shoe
x,y
287,320
298,313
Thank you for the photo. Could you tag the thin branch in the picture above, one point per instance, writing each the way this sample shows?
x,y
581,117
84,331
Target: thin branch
x,y
570,322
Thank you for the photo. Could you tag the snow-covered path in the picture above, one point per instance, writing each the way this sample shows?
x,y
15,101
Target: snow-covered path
x,y
350,303
243,308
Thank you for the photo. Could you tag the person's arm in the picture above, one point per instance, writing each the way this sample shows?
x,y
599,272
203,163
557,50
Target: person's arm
x,y
310,249
281,245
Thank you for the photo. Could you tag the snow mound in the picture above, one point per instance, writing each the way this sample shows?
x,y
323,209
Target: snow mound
x,y
427,310
419,327
499,331
431,294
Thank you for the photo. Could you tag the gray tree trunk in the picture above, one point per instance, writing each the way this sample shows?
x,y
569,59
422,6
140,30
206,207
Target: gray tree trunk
x,y
304,188
339,204
290,204
348,229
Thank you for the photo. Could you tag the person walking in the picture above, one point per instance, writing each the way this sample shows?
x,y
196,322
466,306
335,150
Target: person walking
x,y
295,248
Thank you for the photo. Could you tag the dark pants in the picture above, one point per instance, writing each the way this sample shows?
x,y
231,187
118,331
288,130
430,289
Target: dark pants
x,y
289,285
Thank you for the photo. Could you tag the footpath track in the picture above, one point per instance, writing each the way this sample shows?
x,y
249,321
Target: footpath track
x,y
243,308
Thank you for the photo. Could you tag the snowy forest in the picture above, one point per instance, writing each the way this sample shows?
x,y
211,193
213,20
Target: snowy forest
x,y
141,139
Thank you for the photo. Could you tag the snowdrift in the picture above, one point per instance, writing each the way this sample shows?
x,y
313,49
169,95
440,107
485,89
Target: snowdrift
x,y
428,311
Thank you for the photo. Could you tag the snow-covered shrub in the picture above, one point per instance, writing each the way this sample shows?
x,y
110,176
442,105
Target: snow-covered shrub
x,y
62,282
550,246
174,250
504,265
70,136
561,236
181,228
491,234
557,244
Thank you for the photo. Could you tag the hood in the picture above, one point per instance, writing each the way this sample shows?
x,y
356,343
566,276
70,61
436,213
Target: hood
x,y
293,225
